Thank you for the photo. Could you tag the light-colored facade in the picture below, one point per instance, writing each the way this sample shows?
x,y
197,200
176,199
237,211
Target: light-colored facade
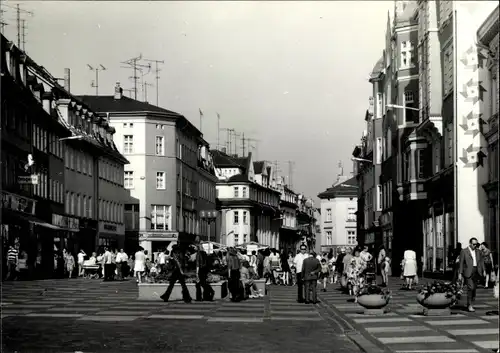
x,y
249,211
338,215
165,154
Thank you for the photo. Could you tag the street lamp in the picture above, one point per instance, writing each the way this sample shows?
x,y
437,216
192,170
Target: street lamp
x,y
356,159
402,107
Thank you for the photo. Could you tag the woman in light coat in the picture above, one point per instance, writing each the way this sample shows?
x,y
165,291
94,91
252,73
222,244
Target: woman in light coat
x,y
409,267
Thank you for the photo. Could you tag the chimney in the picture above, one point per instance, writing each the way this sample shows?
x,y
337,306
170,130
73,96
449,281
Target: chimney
x,y
118,91
67,78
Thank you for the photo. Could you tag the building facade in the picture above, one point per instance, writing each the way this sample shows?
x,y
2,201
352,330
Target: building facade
x,y
338,215
168,173
32,164
249,211
436,176
289,235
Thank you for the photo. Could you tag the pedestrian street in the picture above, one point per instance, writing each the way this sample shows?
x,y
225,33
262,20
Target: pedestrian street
x,y
404,329
95,316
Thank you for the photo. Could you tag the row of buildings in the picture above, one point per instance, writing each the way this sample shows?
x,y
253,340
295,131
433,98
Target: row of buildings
x,y
83,172
428,160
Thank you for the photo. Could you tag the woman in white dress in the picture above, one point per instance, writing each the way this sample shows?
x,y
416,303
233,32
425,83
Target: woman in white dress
x,y
409,267
139,264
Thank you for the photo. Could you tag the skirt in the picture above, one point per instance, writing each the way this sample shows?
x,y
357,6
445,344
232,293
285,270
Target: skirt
x,y
139,266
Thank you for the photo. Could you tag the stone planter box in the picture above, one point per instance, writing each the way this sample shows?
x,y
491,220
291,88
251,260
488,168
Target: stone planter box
x,y
374,304
436,304
261,285
153,291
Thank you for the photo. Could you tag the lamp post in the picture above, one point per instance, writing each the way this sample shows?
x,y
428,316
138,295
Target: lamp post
x,y
402,107
209,216
362,160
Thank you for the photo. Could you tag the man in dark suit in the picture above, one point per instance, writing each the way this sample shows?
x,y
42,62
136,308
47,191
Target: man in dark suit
x,y
310,271
470,268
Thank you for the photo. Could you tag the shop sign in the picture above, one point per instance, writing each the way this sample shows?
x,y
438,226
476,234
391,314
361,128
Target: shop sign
x,y
18,203
66,222
158,236
28,179
111,228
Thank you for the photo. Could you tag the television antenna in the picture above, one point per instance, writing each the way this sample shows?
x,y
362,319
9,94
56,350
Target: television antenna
x,y
95,83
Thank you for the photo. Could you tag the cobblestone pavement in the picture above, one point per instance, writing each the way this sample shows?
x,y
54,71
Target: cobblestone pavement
x,y
94,316
405,329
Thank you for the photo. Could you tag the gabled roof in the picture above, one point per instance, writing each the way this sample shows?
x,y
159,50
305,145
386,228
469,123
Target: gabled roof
x,y
108,104
347,189
258,167
222,160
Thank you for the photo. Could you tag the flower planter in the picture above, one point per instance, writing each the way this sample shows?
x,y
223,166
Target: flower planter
x,y
374,304
436,304
153,291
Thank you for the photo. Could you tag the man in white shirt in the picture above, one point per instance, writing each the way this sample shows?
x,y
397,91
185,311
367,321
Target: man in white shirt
x,y
108,265
121,261
298,261
81,258
162,261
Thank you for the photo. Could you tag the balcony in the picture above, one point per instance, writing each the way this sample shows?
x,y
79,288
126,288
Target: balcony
x,y
351,219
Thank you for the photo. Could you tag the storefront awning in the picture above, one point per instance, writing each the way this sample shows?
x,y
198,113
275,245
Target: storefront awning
x,y
10,214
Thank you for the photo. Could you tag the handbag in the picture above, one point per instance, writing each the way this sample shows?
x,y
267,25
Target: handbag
x,y
493,276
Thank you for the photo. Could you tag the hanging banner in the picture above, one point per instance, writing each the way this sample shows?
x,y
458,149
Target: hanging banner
x,y
471,94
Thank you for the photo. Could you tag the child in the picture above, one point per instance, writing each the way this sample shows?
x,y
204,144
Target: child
x,y
325,273
385,266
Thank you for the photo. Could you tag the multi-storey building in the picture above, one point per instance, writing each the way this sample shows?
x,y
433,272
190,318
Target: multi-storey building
x,y
167,172
249,210
289,235
488,36
435,146
32,163
338,214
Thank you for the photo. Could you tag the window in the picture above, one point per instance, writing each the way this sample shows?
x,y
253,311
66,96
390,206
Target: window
x,y
448,69
379,113
328,237
90,207
236,215
328,214
244,193
388,143
351,214
244,238
494,96
128,144
408,97
379,150
160,217
236,191
236,239
160,180
421,164
72,203
245,220
406,55
128,180
159,146
379,197
351,237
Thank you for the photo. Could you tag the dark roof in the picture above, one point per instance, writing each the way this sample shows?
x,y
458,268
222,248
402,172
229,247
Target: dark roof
x,y
258,167
348,188
222,160
108,104
238,178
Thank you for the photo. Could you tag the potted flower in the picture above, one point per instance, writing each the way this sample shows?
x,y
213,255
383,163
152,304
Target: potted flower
x,y
439,294
371,296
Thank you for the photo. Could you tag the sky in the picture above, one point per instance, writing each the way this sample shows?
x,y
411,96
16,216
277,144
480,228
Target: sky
x,y
292,75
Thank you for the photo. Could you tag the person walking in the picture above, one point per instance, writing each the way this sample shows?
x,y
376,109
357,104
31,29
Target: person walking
x,y
311,267
12,259
488,264
202,270
121,261
409,267
298,261
139,264
176,266
285,267
233,269
81,258
108,265
70,263
470,268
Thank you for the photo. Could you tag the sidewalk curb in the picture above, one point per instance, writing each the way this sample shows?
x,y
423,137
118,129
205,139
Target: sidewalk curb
x,y
358,338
